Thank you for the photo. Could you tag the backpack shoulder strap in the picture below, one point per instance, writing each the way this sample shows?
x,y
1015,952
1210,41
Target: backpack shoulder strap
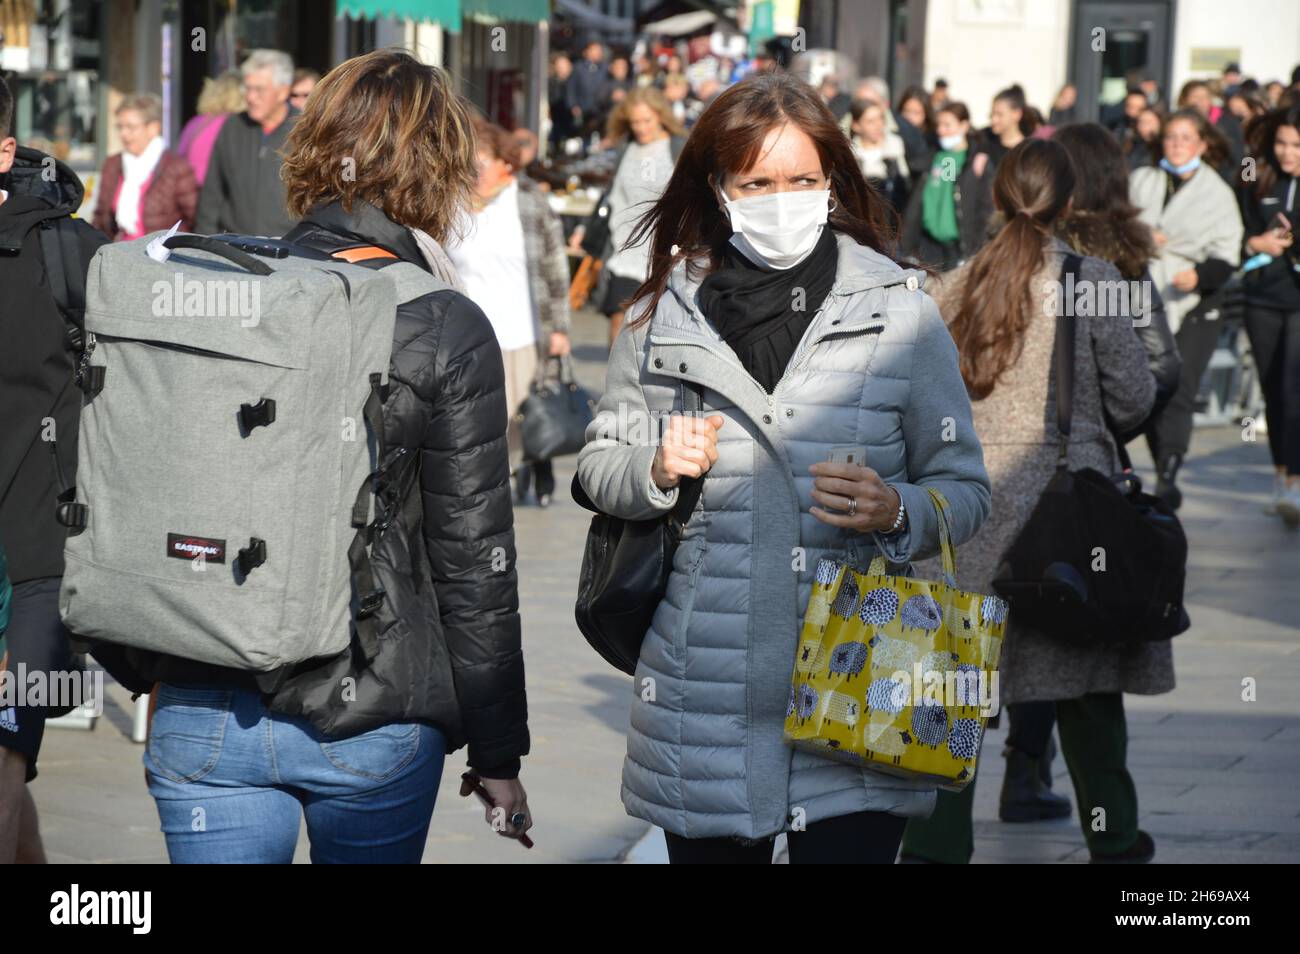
x,y
61,251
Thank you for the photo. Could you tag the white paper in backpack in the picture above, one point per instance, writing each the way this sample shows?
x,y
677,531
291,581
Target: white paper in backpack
x,y
157,250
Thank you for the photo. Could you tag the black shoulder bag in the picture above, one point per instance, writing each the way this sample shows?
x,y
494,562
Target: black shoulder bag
x,y
625,567
1099,561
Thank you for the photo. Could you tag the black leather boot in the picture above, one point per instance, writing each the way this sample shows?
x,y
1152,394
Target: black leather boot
x,y
1141,853
1025,797
1166,475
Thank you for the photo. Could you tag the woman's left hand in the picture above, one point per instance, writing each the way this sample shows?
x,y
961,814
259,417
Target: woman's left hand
x,y
836,485
1185,280
559,344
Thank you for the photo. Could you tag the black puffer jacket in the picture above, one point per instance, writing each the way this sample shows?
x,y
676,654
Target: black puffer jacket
x,y
449,626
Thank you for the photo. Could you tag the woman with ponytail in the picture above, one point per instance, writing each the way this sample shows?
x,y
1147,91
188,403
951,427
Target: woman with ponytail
x,y
1001,311
1011,122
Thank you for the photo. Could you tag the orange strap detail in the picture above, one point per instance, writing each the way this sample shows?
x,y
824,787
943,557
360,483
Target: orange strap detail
x,y
363,254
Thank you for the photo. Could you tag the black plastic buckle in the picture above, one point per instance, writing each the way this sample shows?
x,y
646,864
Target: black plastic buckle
x,y
370,603
256,415
92,379
251,556
75,340
72,515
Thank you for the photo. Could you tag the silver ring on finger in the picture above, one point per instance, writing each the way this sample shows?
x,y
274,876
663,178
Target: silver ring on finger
x,y
853,506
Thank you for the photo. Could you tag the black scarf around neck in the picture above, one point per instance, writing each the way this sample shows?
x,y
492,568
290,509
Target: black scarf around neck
x,y
753,308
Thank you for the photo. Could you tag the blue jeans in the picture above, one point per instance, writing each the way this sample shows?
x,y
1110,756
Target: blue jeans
x,y
232,781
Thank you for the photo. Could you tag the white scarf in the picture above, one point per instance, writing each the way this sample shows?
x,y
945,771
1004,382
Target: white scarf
x,y
437,259
136,171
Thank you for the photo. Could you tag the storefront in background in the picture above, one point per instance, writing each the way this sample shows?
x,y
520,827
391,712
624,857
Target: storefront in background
x,y
50,55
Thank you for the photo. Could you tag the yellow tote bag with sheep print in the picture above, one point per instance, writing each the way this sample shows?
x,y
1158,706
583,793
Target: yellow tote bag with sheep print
x,y
897,674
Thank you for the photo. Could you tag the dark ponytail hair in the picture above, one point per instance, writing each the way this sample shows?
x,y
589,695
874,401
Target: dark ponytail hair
x,y
1034,183
1030,118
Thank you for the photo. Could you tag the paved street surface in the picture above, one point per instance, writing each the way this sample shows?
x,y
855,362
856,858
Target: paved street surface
x,y
1217,777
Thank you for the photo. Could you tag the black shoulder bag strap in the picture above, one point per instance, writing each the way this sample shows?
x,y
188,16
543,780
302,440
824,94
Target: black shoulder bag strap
x,y
1063,356
690,488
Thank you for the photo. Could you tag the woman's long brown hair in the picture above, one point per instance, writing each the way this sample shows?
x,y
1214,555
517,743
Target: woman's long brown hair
x,y
1102,222
1033,185
687,223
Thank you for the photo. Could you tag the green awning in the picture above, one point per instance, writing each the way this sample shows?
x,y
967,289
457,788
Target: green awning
x,y
446,13
518,11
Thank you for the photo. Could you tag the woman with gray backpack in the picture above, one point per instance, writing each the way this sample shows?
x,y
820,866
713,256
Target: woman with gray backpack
x,y
425,655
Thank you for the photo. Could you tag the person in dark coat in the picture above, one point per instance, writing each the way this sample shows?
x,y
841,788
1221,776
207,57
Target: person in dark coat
x,y
585,90
1269,209
243,191
40,407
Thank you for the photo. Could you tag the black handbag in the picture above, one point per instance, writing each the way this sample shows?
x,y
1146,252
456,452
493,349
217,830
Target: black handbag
x,y
1099,560
596,233
555,414
625,567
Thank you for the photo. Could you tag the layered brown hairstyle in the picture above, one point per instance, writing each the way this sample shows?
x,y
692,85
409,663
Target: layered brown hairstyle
x,y
495,140
619,125
1034,182
387,129
688,224
1102,222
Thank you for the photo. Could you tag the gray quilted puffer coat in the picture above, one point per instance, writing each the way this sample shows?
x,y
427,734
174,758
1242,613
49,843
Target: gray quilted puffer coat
x,y
876,367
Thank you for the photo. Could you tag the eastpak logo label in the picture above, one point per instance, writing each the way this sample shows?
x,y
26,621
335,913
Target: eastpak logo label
x,y
185,547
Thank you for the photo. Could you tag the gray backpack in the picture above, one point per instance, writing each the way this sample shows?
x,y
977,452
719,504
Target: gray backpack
x,y
227,451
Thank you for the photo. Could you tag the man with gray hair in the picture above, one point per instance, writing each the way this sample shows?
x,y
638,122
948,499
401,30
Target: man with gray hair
x,y
243,191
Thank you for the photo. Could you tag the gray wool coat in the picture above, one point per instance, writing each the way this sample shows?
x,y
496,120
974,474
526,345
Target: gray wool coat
x,y
876,367
1016,425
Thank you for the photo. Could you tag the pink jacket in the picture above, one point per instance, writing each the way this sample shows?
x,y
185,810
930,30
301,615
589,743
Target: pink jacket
x,y
197,139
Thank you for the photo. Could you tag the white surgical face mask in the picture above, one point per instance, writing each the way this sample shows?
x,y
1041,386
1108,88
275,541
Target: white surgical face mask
x,y
950,142
778,230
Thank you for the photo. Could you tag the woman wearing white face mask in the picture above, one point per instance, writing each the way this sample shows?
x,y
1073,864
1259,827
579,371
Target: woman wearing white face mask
x,y
1197,228
772,297
947,217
